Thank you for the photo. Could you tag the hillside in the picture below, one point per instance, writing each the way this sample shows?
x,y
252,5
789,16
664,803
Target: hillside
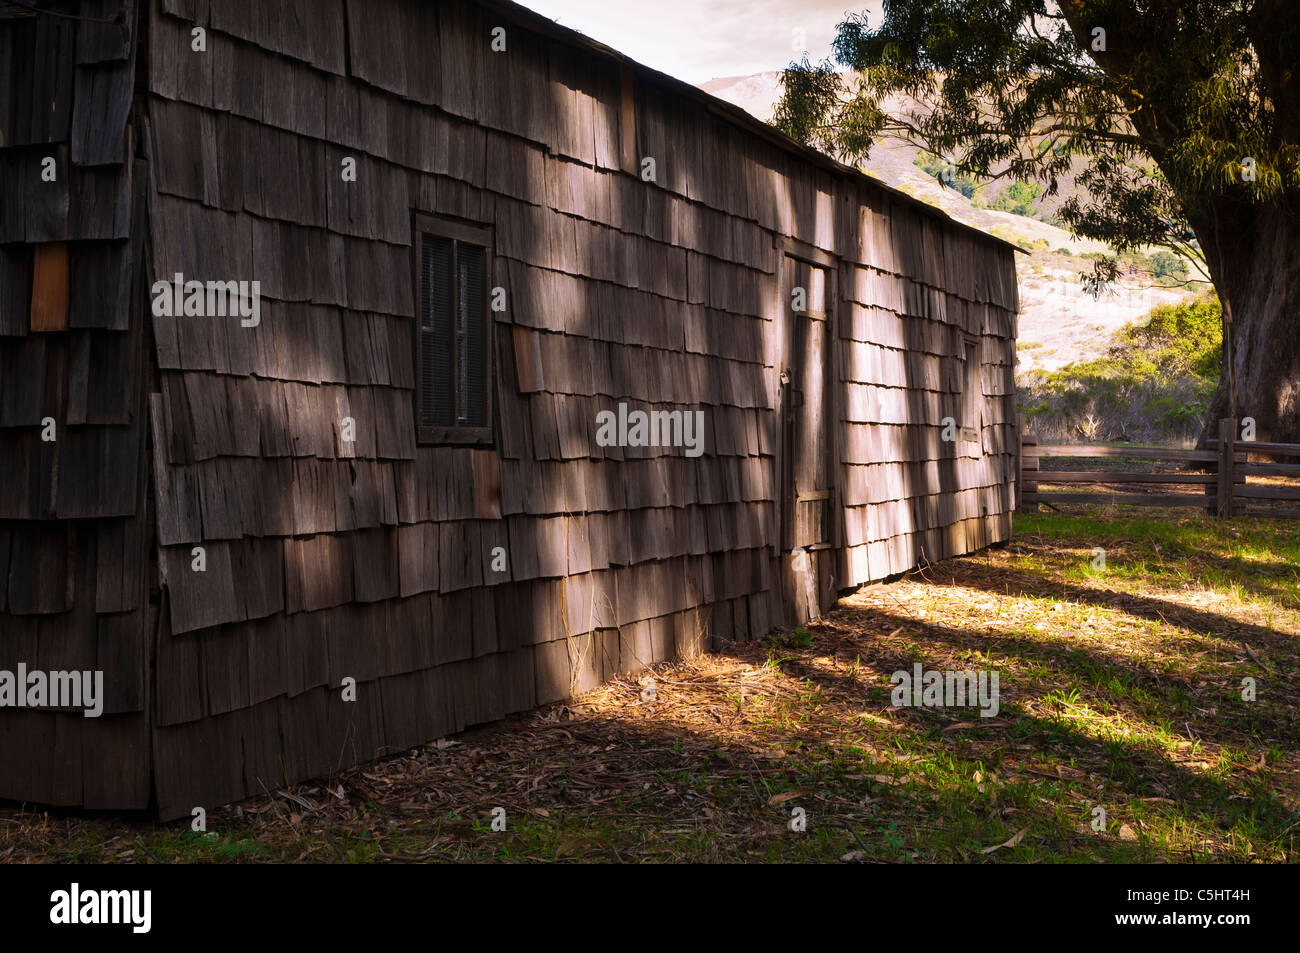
x,y
1059,323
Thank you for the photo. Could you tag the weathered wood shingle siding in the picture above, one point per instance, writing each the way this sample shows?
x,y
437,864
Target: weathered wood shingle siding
x,y
73,511
372,559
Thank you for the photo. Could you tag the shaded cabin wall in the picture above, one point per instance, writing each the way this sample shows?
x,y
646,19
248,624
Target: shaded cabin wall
x,y
73,532
916,290
327,560
370,560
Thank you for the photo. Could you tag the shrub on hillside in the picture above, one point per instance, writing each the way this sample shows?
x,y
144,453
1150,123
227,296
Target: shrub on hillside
x,y
1154,385
946,174
1017,198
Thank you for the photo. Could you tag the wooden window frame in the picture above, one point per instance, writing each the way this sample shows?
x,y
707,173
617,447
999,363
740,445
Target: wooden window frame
x,y
972,400
457,232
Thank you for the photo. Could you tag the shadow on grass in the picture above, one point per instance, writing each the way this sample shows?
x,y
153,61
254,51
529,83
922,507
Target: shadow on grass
x,y
1174,538
1004,581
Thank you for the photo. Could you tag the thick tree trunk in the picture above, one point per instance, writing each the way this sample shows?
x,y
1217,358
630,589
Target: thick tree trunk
x,y
1253,253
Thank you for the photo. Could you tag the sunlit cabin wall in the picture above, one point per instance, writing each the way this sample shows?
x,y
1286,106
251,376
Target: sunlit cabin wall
x,y
327,559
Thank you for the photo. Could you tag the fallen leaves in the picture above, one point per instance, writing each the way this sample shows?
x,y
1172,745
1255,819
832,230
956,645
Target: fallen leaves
x,y
1013,841
982,723
604,777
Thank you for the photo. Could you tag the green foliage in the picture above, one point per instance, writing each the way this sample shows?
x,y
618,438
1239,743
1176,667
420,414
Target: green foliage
x,y
946,174
1164,267
1153,126
1017,198
812,92
1155,383
1168,267
1179,340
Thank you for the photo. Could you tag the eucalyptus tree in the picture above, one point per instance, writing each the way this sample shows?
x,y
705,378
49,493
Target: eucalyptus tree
x,y
1178,122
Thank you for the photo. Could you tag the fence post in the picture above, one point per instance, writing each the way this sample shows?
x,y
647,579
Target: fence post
x,y
1020,461
1227,440
1030,442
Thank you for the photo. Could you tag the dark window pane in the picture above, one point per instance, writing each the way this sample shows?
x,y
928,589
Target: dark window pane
x,y
436,333
471,336
971,390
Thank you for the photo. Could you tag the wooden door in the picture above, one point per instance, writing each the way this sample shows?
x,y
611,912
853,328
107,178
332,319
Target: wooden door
x,y
809,465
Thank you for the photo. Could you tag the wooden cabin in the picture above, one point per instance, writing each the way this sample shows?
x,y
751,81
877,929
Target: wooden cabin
x,y
362,503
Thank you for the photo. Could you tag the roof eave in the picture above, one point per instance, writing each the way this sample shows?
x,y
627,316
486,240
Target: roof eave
x,y
747,122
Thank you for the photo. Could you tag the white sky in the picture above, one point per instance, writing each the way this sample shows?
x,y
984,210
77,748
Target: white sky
x,y
699,40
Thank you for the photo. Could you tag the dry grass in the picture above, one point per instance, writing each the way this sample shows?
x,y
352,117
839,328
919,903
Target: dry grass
x,y
1120,689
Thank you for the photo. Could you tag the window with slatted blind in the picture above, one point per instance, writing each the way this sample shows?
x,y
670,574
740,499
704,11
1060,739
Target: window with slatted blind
x,y
453,333
972,394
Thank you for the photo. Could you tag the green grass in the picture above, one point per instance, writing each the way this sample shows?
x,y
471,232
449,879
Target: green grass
x,y
1120,690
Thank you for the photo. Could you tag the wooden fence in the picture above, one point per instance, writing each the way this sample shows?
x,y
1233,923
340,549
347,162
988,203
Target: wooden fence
x,y
1222,470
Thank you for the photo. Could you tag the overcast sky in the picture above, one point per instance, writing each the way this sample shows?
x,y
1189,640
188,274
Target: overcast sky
x,y
699,40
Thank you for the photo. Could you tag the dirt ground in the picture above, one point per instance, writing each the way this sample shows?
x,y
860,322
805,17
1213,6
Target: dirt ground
x,y
1122,733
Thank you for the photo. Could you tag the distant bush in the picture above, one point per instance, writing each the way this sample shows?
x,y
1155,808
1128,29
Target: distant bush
x,y
1168,267
1008,235
1017,198
1164,266
1155,383
946,174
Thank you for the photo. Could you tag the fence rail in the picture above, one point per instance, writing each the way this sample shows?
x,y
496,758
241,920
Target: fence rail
x,y
1221,471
